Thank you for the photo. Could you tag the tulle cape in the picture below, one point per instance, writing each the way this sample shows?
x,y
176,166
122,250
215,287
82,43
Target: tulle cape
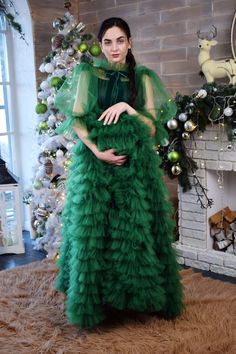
x,y
77,98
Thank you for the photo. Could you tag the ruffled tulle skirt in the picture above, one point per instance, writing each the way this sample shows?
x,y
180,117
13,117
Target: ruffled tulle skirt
x,y
117,230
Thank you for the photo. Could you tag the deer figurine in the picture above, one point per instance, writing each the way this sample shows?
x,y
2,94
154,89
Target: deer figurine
x,y
214,69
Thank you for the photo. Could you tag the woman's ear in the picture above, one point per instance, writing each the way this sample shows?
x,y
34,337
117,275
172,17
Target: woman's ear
x,y
101,46
130,43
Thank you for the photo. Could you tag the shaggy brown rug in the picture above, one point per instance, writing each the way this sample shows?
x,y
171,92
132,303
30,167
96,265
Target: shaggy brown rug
x,y
32,319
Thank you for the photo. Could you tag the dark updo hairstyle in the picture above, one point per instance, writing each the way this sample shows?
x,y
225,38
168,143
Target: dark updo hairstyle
x,y
119,22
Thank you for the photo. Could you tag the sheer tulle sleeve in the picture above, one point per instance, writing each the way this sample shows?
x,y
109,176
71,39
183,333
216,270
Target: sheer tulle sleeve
x,y
76,98
154,102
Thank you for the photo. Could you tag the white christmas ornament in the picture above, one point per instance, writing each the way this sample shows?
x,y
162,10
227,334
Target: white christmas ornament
x,y
49,68
44,85
172,124
182,117
59,154
202,93
42,68
50,101
228,111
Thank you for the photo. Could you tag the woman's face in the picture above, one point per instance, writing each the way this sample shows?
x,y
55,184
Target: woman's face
x,y
115,45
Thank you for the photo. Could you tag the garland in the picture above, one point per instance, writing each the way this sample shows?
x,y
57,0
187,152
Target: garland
x,y
4,8
212,104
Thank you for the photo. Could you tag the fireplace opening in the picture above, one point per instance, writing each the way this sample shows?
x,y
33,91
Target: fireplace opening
x,y
221,231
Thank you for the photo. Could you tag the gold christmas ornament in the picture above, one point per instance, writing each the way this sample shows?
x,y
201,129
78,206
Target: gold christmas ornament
x,y
185,135
176,170
190,126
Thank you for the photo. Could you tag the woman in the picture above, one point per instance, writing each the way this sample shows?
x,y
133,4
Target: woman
x,y
117,225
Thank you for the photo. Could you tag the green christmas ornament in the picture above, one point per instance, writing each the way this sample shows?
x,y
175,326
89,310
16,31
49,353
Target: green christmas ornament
x,y
95,50
56,82
41,108
37,184
83,47
43,126
173,156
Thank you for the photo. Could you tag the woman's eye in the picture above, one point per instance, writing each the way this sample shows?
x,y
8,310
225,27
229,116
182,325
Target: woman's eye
x,y
121,41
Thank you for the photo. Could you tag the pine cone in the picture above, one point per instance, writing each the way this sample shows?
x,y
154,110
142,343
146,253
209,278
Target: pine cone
x,y
57,41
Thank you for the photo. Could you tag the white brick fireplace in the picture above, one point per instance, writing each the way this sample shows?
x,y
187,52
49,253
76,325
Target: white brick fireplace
x,y
216,160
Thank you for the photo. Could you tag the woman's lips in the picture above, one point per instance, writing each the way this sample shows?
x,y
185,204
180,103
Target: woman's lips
x,y
115,55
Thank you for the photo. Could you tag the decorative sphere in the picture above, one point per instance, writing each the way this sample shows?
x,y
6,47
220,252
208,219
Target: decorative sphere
x,y
56,81
37,184
228,111
189,126
42,68
202,93
70,51
61,64
176,170
43,125
59,154
50,100
234,132
182,117
185,135
172,124
95,50
229,147
44,85
173,156
83,47
52,119
41,108
49,68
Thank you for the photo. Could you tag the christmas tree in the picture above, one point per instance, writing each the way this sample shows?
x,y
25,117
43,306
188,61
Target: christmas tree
x,y
70,46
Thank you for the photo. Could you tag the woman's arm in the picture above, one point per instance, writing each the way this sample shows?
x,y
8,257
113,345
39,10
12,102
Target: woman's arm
x,y
112,114
107,156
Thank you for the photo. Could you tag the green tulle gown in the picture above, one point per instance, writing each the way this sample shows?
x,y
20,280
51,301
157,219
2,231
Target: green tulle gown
x,y
117,227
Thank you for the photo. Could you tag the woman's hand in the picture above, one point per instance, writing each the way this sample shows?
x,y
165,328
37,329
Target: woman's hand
x,y
113,113
109,157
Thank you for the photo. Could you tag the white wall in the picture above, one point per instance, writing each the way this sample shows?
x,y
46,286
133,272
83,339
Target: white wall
x,y
24,101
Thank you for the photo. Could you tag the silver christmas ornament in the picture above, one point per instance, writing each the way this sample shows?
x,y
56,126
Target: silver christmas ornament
x,y
202,93
234,132
229,147
182,117
172,124
228,111
176,170
70,51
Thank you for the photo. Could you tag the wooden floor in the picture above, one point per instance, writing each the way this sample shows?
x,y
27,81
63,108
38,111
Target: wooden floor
x,y
13,260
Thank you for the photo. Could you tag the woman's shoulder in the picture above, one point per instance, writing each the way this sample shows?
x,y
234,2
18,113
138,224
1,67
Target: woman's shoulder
x,y
141,70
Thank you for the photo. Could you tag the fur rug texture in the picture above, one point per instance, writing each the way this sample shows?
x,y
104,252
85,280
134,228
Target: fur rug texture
x,y
32,319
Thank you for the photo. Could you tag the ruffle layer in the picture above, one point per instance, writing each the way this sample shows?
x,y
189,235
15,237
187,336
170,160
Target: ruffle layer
x,y
117,229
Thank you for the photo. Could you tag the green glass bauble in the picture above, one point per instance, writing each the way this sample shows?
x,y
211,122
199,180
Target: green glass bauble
x,y
37,184
43,125
95,50
41,108
56,81
173,156
83,47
